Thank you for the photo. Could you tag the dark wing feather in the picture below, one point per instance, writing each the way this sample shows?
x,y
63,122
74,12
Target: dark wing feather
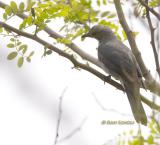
x,y
120,61
117,58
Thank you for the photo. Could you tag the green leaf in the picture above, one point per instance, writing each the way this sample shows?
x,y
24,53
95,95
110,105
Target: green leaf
x,y
28,59
1,29
98,2
106,13
44,5
24,50
20,61
105,2
23,24
21,6
12,39
12,55
14,7
8,10
124,35
19,43
48,52
111,15
5,16
64,40
10,45
31,54
150,139
30,4
47,21
136,142
135,33
154,3
24,46
29,20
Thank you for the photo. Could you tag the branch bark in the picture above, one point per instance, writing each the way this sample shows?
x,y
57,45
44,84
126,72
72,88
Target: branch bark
x,y
64,54
143,3
151,83
55,35
74,61
59,115
70,57
152,29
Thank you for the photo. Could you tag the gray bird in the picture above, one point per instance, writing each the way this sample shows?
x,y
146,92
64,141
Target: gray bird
x,y
119,61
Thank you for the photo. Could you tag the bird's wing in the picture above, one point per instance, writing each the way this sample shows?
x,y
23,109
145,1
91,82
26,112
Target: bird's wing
x,y
117,59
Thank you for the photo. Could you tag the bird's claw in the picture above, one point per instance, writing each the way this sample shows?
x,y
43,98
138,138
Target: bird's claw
x,y
107,78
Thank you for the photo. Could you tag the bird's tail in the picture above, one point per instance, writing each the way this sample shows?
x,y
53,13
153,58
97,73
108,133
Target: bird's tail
x,y
133,94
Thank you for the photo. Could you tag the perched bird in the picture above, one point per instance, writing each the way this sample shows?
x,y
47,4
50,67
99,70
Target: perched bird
x,y
119,61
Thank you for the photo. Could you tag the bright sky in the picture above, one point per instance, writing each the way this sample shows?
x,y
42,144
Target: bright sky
x,y
30,97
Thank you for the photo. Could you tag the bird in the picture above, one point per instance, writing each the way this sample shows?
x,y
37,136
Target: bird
x,y
119,62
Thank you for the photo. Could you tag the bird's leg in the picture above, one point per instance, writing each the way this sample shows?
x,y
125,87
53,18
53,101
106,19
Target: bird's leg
x,y
109,76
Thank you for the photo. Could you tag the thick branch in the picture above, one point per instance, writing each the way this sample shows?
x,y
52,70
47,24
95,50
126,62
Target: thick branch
x,y
153,40
151,83
75,48
150,9
150,103
55,35
64,54
130,37
72,59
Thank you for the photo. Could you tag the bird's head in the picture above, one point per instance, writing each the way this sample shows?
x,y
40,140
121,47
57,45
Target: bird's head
x,y
100,33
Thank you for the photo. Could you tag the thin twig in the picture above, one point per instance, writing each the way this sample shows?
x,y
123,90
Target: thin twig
x,y
131,38
74,131
107,109
150,82
151,104
59,115
150,9
8,35
69,57
152,29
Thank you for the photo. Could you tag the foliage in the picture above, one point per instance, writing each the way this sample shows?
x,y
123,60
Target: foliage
x,y
154,3
77,16
137,138
18,50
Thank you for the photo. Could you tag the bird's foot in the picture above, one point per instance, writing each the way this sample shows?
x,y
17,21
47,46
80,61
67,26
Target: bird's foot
x,y
107,78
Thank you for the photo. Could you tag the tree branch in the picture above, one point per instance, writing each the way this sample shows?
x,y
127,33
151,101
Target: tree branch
x,y
130,37
64,54
153,40
74,47
151,83
74,131
150,9
107,109
55,35
73,60
151,104
59,115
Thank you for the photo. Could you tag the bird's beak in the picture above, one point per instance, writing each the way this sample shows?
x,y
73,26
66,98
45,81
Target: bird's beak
x,y
86,35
